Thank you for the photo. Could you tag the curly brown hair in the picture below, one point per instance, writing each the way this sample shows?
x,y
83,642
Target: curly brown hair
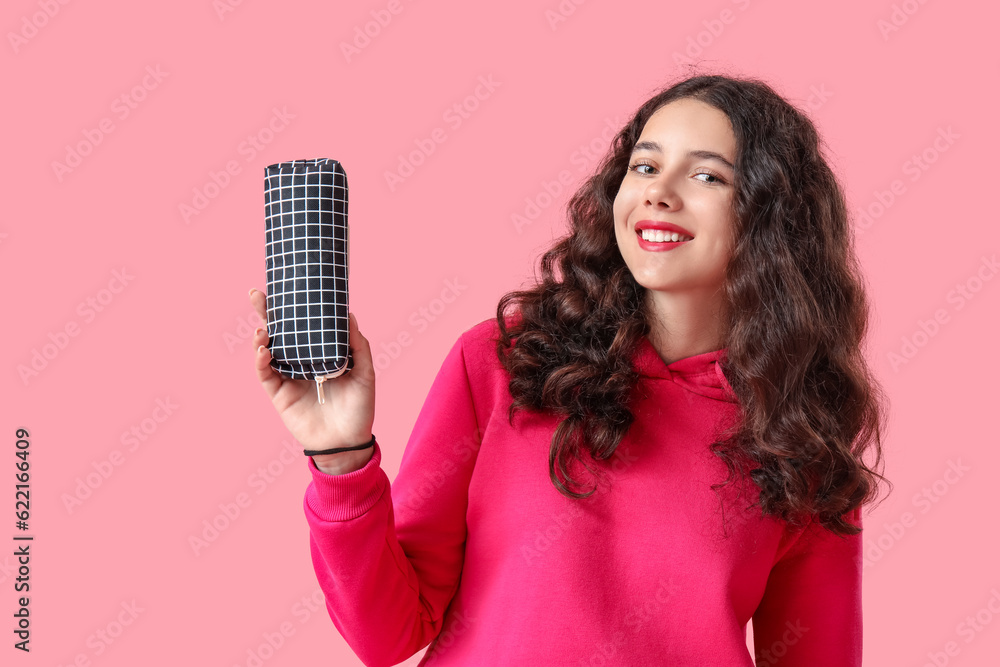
x,y
809,406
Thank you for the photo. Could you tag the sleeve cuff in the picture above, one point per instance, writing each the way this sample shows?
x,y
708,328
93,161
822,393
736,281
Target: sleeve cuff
x,y
348,496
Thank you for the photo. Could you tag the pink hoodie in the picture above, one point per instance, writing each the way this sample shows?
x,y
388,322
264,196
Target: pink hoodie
x,y
474,549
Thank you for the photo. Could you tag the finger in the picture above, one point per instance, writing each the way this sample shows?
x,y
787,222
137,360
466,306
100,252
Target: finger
x,y
269,379
259,337
258,300
360,349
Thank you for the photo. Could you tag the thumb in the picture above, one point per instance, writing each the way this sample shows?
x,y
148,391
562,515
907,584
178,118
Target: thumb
x,y
353,324
358,343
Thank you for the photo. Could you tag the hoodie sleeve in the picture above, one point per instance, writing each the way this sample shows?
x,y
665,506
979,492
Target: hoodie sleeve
x,y
810,614
389,559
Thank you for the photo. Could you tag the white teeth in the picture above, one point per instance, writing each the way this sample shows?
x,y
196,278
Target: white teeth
x,y
658,235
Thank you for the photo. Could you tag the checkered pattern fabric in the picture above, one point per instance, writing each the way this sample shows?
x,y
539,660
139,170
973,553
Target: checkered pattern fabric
x,y
305,206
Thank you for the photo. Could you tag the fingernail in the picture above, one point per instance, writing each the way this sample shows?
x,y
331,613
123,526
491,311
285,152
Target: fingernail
x,y
252,290
260,349
259,331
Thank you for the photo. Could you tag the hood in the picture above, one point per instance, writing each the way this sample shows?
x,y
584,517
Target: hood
x,y
701,373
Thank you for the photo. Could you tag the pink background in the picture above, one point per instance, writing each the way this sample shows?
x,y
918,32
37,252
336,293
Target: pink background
x,y
430,257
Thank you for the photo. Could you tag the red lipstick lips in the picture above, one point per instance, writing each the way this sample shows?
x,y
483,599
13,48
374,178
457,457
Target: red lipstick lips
x,y
665,226
660,246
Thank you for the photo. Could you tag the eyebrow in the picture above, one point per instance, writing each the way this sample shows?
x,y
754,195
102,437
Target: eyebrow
x,y
705,155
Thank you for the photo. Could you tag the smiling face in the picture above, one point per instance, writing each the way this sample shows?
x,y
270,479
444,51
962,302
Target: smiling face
x,y
680,173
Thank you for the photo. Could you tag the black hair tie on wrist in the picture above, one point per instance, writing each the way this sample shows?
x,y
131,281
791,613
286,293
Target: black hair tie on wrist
x,y
313,452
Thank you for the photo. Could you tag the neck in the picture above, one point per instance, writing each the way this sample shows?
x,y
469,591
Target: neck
x,y
683,325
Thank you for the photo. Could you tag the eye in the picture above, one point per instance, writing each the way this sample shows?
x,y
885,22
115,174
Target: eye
x,y
635,167
711,174
715,177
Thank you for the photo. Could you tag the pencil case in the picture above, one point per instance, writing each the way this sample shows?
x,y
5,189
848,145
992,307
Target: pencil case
x,y
306,259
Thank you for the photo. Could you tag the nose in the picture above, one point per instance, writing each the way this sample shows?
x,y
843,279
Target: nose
x,y
661,192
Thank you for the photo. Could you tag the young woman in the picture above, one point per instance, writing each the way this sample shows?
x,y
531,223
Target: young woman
x,y
656,444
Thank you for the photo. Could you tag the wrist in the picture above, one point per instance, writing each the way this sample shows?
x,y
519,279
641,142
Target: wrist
x,y
337,450
342,463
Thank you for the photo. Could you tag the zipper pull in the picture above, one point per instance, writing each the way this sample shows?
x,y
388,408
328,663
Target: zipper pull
x,y
319,390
